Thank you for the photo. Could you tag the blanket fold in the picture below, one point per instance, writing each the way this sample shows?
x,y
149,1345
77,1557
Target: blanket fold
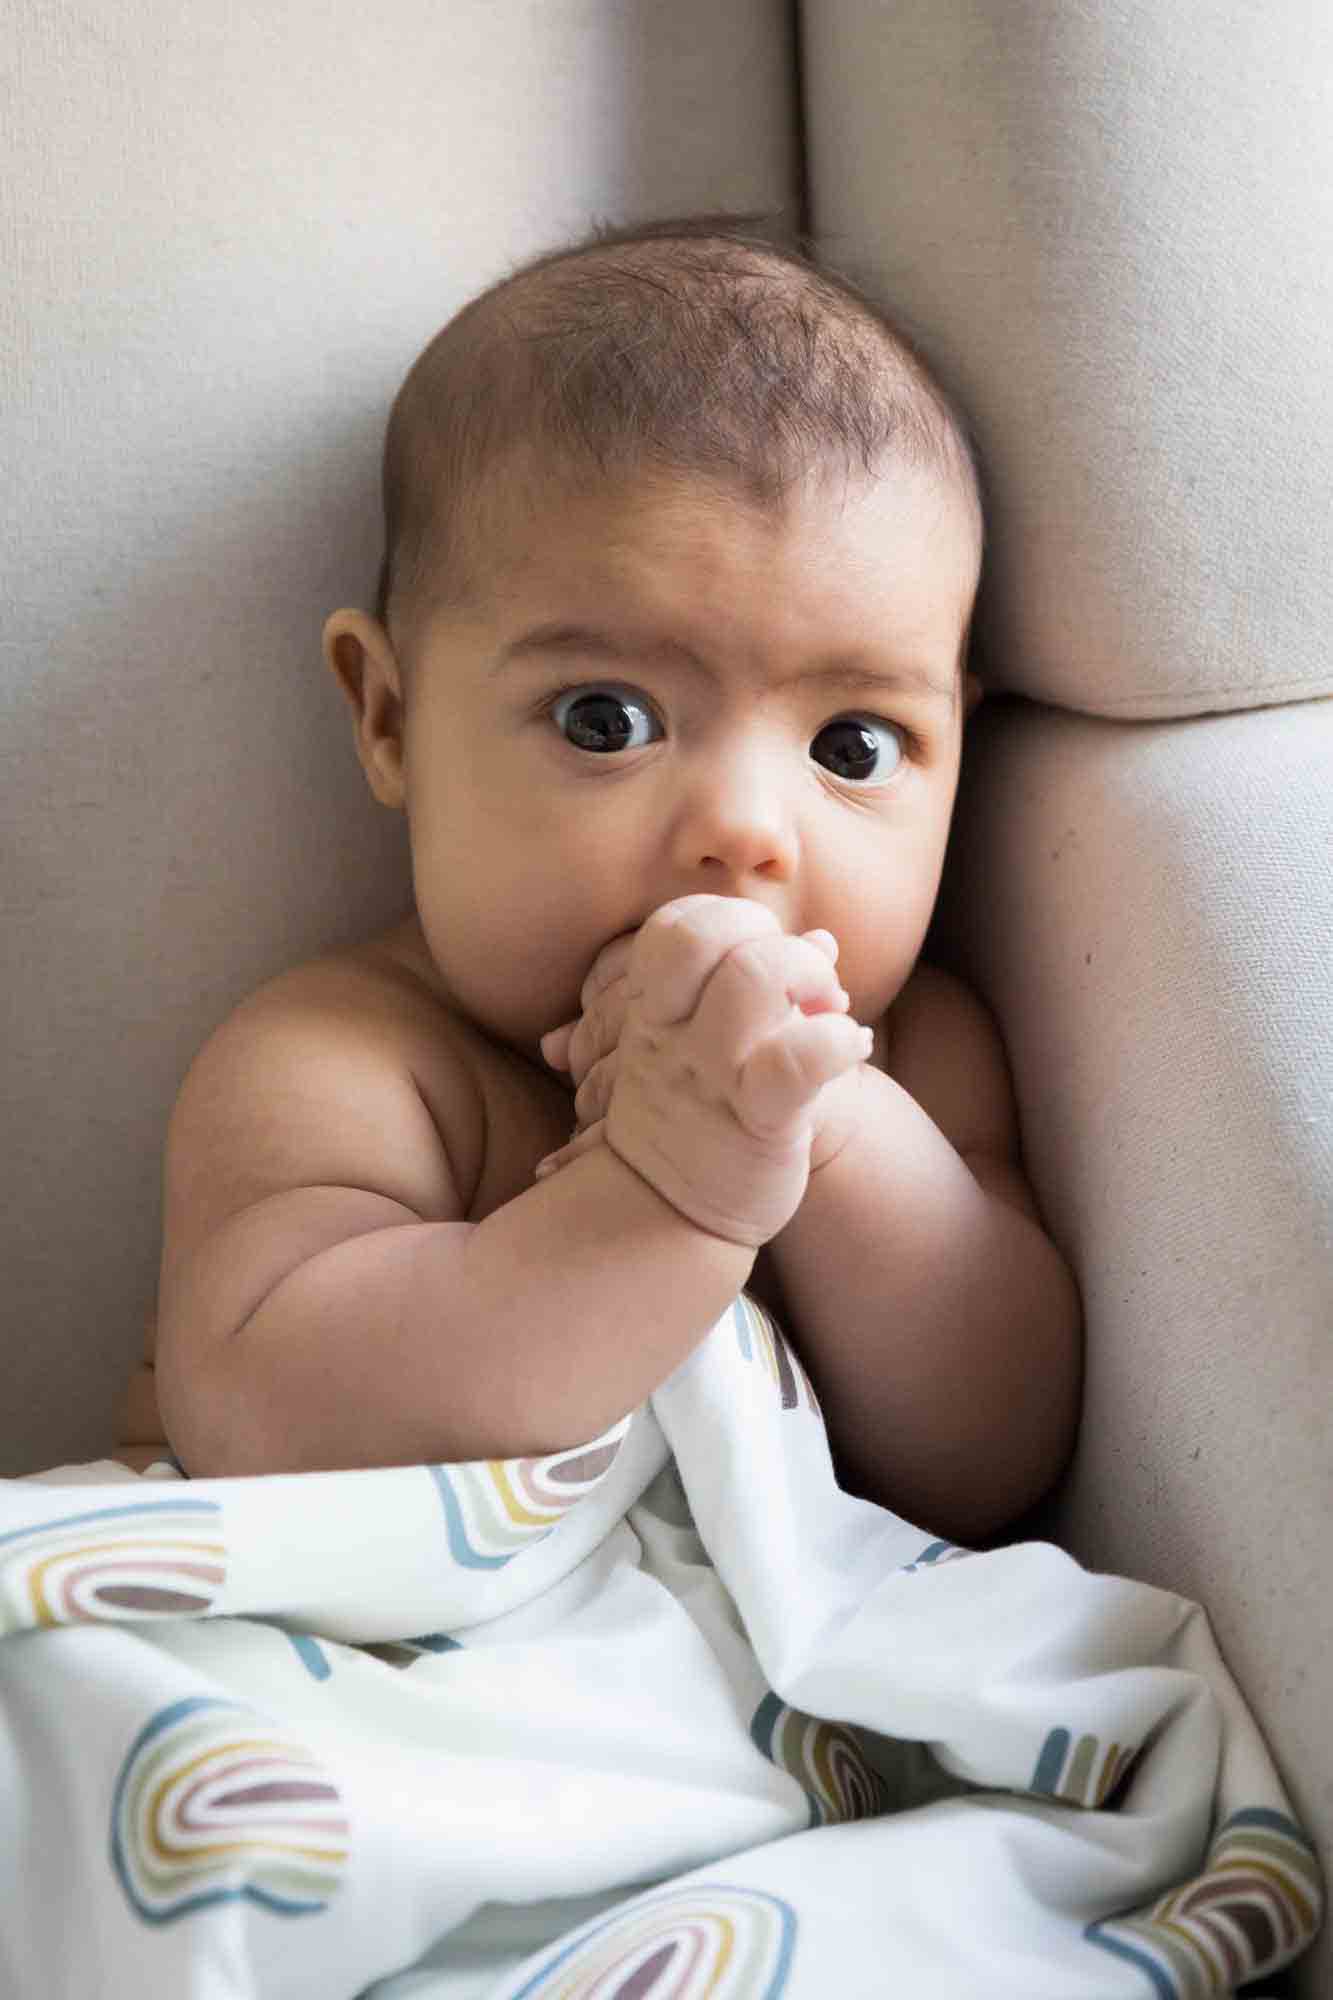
x,y
665,1715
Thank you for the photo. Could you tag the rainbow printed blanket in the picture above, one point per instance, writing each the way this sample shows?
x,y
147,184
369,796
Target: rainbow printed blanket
x,y
666,1716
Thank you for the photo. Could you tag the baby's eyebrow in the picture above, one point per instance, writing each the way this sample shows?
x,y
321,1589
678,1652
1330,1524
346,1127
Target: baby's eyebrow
x,y
558,637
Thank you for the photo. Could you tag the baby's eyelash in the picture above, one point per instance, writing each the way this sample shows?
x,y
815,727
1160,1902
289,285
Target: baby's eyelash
x,y
914,744
548,701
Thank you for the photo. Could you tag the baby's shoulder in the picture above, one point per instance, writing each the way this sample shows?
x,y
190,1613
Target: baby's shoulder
x,y
941,1042
364,1005
341,1071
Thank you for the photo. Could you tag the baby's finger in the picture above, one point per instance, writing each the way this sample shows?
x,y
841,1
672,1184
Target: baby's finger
x,y
599,1030
825,942
555,1045
584,1143
680,946
594,1092
608,966
786,1072
754,989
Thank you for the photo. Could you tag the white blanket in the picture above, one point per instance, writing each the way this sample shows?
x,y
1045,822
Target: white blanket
x,y
663,1717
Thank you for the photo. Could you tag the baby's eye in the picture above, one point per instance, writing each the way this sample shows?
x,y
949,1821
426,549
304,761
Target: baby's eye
x,y
604,718
855,746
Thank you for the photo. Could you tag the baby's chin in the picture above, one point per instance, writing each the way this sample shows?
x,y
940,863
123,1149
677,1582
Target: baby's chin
x,y
527,1046
521,1028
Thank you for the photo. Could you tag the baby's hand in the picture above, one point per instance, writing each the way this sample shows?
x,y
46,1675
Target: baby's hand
x,y
705,1044
587,1046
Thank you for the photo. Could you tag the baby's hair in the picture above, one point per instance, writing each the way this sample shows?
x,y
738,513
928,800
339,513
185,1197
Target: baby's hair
x,y
695,344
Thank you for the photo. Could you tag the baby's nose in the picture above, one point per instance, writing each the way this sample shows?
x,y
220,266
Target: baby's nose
x,y
738,824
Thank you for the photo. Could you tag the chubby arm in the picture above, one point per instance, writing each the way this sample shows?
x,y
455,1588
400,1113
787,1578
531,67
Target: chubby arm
x,y
324,1302
940,1325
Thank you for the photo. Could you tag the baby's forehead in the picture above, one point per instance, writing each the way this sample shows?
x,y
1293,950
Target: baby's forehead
x,y
676,567
652,507
534,483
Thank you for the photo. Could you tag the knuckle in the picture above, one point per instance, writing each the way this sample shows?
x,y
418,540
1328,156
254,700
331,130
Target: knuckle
x,y
773,1085
685,1075
594,1035
590,1095
787,1060
608,966
751,961
579,1053
751,921
656,944
666,917
809,964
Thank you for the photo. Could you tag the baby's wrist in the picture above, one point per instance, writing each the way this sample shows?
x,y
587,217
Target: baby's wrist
x,y
711,1225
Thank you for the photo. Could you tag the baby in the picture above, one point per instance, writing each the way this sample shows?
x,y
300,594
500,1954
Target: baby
x,y
668,674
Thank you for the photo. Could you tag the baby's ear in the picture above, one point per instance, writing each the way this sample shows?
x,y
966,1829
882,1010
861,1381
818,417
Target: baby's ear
x,y
358,653
973,692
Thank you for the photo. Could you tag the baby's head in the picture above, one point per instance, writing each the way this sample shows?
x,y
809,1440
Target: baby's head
x,y
682,543
691,347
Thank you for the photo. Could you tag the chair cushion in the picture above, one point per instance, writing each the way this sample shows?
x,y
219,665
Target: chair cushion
x,y
1149,909
227,232
1112,227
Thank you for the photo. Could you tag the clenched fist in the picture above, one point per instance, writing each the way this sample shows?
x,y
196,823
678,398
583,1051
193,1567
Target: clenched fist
x,y
706,1042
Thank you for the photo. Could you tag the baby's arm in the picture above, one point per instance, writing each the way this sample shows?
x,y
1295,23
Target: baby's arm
x,y
939,1323
325,1303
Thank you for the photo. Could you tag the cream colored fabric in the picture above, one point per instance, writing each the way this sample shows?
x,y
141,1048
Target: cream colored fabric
x,y
225,232
1149,909
1111,224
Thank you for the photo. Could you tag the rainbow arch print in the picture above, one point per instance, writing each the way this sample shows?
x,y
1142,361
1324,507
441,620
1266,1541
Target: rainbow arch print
x,y
1256,1905
406,1652
934,1554
824,1758
494,1508
214,1805
762,1342
710,1941
1082,1771
143,1560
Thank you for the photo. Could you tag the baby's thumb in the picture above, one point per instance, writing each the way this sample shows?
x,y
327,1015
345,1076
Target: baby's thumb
x,y
786,1072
